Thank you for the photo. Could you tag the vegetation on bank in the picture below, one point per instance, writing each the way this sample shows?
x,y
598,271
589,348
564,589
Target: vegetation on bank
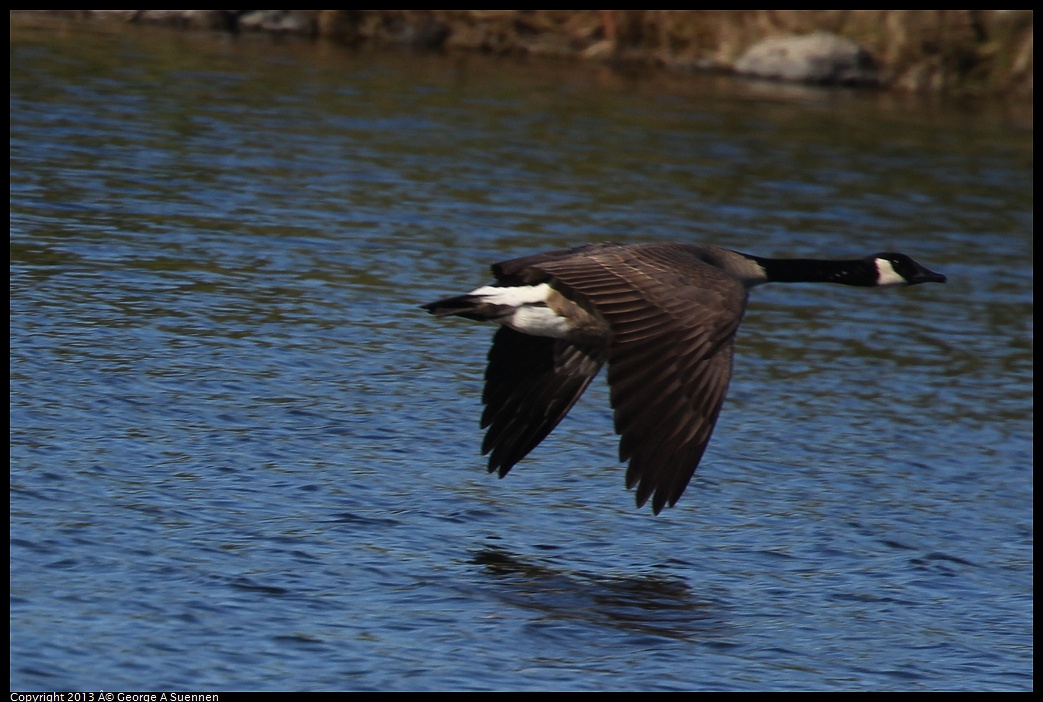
x,y
958,52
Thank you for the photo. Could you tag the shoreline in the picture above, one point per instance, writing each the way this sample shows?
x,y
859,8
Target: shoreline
x,y
959,53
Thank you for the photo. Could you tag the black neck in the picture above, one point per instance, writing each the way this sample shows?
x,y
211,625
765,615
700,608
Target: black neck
x,y
809,270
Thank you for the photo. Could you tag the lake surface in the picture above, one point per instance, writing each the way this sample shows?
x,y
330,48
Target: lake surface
x,y
243,458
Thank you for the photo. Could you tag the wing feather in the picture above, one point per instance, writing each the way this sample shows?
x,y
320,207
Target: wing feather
x,y
673,319
531,383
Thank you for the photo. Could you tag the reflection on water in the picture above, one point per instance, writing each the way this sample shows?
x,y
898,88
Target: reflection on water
x,y
241,456
638,604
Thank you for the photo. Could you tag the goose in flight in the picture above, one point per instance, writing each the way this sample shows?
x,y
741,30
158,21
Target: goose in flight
x,y
663,316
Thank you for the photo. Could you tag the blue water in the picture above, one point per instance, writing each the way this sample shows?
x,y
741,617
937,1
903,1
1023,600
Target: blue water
x,y
242,457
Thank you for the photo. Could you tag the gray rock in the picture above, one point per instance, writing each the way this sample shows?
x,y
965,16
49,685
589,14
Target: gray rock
x,y
820,58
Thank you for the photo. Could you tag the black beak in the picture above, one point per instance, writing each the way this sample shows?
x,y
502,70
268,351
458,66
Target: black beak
x,y
923,275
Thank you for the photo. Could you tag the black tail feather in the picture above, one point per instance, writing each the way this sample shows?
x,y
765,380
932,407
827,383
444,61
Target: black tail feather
x,y
466,306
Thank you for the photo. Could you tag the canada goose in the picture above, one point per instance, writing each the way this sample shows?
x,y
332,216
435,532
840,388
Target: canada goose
x,y
663,316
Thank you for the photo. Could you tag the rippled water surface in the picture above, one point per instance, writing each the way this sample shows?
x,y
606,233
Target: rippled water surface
x,y
242,457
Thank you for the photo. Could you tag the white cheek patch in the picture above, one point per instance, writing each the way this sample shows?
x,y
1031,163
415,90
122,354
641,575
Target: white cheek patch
x,y
514,297
886,273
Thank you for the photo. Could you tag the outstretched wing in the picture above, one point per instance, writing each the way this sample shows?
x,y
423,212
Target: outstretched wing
x,y
530,385
673,320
